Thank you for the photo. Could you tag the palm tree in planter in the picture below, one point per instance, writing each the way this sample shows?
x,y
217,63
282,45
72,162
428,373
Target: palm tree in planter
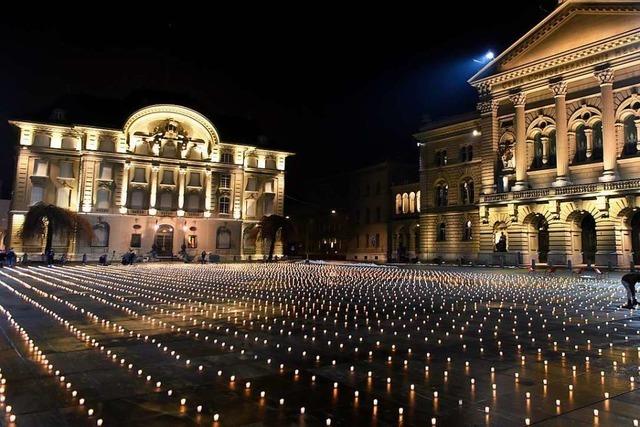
x,y
50,219
269,227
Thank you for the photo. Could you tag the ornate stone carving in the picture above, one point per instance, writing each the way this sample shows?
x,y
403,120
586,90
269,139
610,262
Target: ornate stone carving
x,y
490,106
518,99
558,88
605,76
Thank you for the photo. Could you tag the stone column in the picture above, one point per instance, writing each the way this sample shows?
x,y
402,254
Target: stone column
x,y
519,99
181,182
489,144
545,149
609,149
125,187
154,190
588,133
559,90
207,193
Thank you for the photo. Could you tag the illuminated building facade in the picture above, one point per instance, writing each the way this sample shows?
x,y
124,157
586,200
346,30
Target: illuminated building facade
x,y
164,179
548,168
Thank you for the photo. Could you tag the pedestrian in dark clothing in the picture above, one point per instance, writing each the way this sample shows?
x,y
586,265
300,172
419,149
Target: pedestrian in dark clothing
x,y
50,257
11,258
84,259
629,281
3,259
203,257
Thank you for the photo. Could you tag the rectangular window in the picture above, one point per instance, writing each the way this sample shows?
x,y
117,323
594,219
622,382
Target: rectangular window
x,y
192,241
226,157
269,187
136,240
252,184
194,179
225,181
251,208
37,194
139,175
223,205
106,171
40,167
168,177
66,170
268,204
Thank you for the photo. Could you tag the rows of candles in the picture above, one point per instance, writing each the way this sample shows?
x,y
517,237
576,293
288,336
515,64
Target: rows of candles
x,y
4,405
388,334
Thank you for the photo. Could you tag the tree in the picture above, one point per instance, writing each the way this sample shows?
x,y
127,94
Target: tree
x,y
270,225
43,217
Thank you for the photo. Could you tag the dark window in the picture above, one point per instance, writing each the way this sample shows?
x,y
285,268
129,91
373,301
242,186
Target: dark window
x,y
367,216
378,214
466,192
630,137
136,240
467,231
442,195
192,242
442,232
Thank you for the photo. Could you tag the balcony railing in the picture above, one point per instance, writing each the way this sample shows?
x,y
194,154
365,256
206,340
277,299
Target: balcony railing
x,y
538,193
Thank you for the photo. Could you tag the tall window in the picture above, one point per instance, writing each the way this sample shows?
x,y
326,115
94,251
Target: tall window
x,y
378,214
103,198
166,201
466,153
66,170
466,192
268,202
193,202
270,163
37,194
252,184
367,216
106,171
223,238
581,144
630,136
224,205
398,204
418,200
442,194
405,203
225,181
63,197
137,199
597,141
442,232
269,186
251,208
441,158
467,231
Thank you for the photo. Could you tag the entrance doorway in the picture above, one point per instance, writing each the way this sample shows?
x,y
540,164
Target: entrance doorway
x,y
164,240
540,243
589,239
635,237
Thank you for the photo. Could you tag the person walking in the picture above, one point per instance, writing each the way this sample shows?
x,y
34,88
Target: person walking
x,y
84,259
50,257
11,258
629,281
203,257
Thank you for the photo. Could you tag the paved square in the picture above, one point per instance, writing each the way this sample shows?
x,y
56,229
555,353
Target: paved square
x,y
294,344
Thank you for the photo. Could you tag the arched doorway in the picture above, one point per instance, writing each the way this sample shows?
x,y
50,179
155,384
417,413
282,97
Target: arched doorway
x,y
589,239
539,238
635,237
164,240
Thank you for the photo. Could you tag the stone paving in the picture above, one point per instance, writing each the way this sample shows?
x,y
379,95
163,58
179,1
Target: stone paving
x,y
294,344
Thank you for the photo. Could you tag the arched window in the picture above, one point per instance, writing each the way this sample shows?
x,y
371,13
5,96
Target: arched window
x,y
597,141
103,198
223,238
467,231
412,202
418,201
42,140
398,204
442,194
630,136
223,205
581,145
270,163
442,232
537,152
252,162
551,162
469,153
466,192
100,235
405,203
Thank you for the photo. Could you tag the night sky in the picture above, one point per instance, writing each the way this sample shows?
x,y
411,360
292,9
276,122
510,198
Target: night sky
x,y
341,87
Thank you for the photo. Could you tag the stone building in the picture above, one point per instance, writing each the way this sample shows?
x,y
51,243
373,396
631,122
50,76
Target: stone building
x,y
165,178
372,212
555,154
